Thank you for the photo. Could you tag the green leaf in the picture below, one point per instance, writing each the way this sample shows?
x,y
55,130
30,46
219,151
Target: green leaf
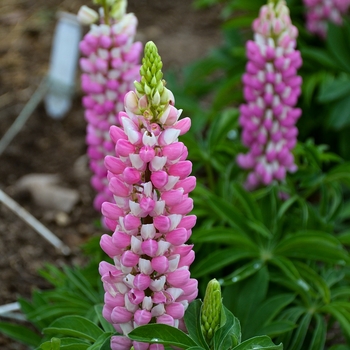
x,y
314,278
313,245
286,205
271,307
320,56
301,331
161,334
320,332
20,333
62,309
334,89
276,328
219,259
337,43
75,326
223,235
107,327
66,344
101,341
53,344
243,272
192,320
338,311
229,334
82,284
247,201
260,342
340,116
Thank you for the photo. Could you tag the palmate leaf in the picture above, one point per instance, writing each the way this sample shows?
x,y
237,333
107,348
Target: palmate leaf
x,y
266,312
260,342
276,328
162,334
338,44
223,235
300,333
75,326
312,245
340,314
319,335
20,333
243,272
218,260
193,323
312,277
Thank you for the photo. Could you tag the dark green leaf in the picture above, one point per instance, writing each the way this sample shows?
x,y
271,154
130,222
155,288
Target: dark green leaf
x,y
243,272
219,259
319,335
193,322
66,344
260,342
107,327
162,334
301,331
20,333
276,328
229,333
101,341
75,326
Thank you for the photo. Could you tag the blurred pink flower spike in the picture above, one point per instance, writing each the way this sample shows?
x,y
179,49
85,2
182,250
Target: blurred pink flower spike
x,y
271,90
319,12
110,64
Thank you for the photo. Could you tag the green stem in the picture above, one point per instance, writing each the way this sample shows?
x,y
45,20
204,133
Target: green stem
x,y
210,175
106,12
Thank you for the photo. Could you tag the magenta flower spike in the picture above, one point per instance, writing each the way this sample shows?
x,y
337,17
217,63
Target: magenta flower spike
x,y
271,90
320,12
110,65
149,177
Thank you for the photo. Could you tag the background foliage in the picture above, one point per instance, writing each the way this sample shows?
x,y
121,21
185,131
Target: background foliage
x,y
280,252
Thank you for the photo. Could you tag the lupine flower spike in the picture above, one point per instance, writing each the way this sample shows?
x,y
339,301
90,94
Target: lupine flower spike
x,y
320,12
211,310
149,281
110,66
271,90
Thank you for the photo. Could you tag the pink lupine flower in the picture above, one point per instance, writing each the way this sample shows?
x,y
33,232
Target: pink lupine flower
x,y
110,65
319,12
149,177
271,90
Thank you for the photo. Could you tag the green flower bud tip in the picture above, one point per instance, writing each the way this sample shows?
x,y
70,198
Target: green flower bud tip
x,y
211,310
151,82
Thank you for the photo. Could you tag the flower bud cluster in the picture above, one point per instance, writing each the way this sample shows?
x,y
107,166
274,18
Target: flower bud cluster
x,y
110,66
211,310
149,177
319,12
271,90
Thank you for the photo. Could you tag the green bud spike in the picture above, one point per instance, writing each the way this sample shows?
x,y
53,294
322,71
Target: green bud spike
x,y
211,310
151,83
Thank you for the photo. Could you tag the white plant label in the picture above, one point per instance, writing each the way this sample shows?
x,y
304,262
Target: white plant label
x,y
63,65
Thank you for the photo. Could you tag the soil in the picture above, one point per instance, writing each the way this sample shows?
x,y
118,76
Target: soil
x,y
49,146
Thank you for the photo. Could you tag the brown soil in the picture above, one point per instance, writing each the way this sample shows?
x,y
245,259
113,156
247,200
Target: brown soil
x,y
49,146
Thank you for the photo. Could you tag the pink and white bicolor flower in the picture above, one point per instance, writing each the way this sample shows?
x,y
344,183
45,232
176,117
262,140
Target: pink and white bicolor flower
x,y
149,177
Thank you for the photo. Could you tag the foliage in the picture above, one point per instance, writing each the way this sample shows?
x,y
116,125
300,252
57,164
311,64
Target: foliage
x,y
281,253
